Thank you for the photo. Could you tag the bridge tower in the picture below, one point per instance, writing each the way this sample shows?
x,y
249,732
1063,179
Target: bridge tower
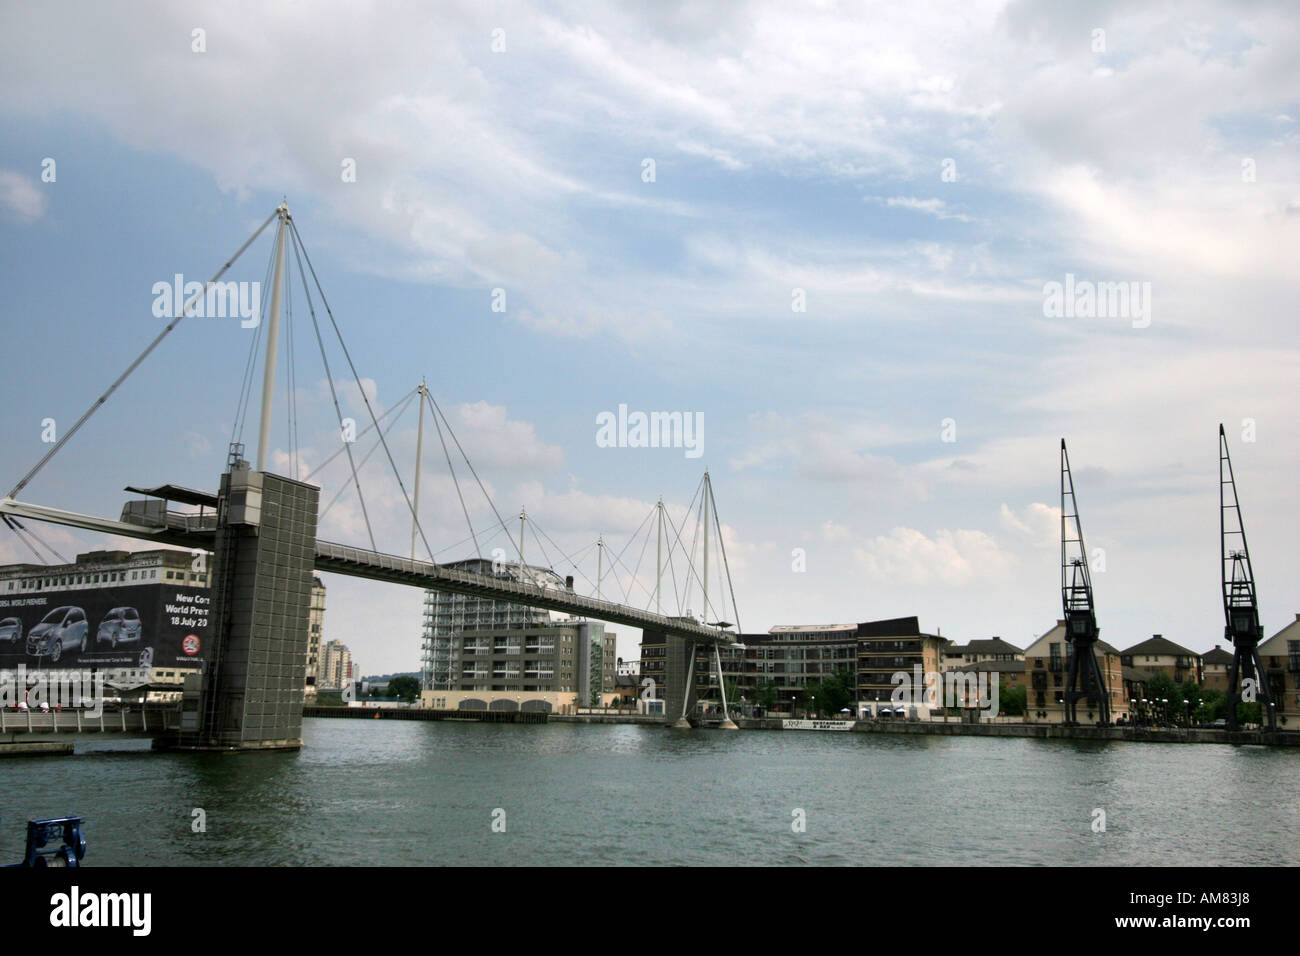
x,y
250,695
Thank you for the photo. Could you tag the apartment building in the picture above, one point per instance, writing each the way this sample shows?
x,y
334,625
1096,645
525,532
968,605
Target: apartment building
x,y
554,667
1159,655
447,615
1281,658
889,647
991,650
1214,669
1047,667
335,666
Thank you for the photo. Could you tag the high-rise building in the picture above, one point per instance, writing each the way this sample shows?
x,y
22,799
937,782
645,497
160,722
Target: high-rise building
x,y
447,615
315,627
335,666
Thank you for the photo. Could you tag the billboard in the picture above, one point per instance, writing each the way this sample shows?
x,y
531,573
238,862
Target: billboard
x,y
140,625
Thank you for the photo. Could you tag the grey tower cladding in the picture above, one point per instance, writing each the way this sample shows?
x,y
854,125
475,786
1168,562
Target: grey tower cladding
x,y
263,563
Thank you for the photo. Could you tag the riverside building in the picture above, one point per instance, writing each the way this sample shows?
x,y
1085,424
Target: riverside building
x,y
447,615
137,616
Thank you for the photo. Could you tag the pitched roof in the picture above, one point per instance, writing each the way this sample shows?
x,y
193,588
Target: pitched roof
x,y
997,667
991,645
1159,645
1217,656
1290,632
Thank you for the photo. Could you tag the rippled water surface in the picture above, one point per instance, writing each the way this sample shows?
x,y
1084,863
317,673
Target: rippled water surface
x,y
410,793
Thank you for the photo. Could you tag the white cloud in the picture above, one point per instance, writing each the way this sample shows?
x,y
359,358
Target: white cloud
x,y
956,558
21,196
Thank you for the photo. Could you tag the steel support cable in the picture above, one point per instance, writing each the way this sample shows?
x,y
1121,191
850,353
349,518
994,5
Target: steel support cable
x,y
30,547
677,593
291,385
134,365
722,546
645,547
571,559
470,465
346,354
474,537
299,254
627,596
673,544
635,533
456,481
672,568
690,558
690,565
365,458
23,533
627,593
400,403
250,364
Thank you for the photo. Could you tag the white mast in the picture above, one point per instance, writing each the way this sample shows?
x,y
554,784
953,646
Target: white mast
x,y
272,339
419,460
659,551
706,546
522,517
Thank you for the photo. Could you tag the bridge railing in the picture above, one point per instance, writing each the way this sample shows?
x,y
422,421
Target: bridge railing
x,y
80,720
499,586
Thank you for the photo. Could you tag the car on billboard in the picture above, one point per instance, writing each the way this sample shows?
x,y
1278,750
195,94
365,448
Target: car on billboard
x,y
11,630
63,629
120,626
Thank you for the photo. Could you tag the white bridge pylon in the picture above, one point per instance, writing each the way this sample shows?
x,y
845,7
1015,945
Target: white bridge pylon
x,y
197,531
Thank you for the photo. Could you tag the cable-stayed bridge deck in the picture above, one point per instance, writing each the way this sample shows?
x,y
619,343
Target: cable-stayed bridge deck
x,y
359,562
194,531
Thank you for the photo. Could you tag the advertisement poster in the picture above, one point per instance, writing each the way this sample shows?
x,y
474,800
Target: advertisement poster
x,y
147,625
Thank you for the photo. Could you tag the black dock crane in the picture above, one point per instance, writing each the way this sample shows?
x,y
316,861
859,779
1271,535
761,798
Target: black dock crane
x,y
1240,608
1085,678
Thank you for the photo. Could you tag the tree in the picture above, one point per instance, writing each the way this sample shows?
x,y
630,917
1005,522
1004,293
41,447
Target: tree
x,y
766,694
1162,687
833,693
1012,700
405,687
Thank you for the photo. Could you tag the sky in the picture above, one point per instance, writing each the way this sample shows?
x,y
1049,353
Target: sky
x,y
829,234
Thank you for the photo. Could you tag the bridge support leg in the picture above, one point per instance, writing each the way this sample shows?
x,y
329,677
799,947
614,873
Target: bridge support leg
x,y
682,723
727,722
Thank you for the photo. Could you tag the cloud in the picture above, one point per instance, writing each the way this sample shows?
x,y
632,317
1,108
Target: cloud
x,y
957,558
931,207
21,196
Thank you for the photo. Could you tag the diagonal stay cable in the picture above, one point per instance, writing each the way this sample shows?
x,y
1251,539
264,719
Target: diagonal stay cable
x,y
572,559
250,364
470,465
722,546
23,533
456,481
346,354
299,254
400,404
365,458
136,364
